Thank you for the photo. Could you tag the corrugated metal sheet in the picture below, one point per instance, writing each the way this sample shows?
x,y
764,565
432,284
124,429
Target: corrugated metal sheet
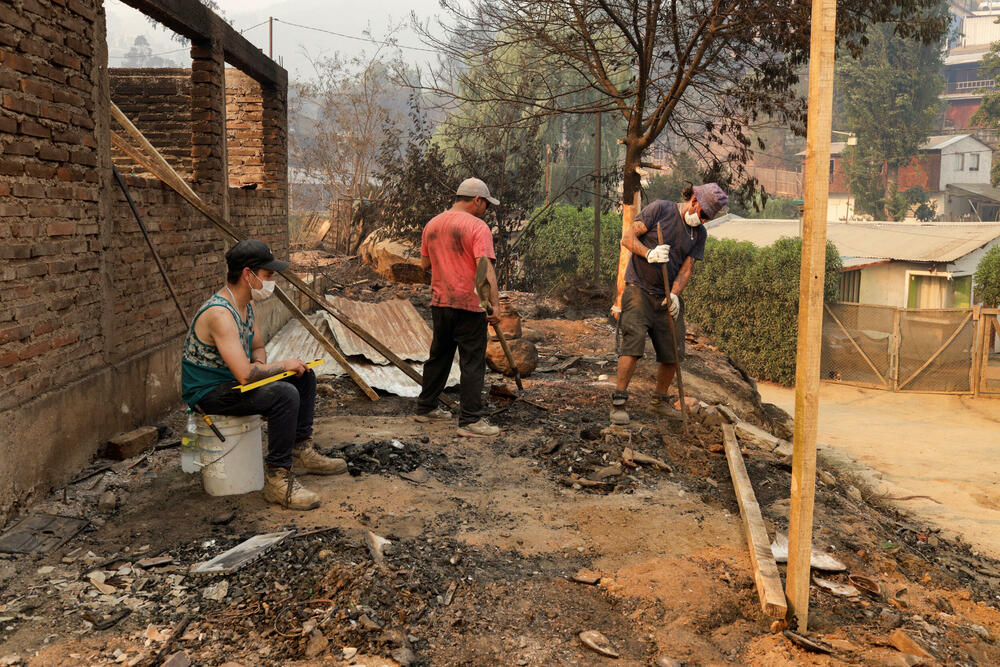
x,y
293,341
396,323
907,241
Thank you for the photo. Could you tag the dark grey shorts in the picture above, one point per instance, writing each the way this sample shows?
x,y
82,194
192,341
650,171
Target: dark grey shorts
x,y
642,315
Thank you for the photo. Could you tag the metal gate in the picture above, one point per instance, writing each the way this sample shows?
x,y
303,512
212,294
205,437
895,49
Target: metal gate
x,y
911,350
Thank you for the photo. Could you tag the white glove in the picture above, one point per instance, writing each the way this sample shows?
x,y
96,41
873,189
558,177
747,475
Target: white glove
x,y
659,255
675,306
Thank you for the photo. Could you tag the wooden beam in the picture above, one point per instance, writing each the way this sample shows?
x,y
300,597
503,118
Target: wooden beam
x,y
822,51
765,569
197,22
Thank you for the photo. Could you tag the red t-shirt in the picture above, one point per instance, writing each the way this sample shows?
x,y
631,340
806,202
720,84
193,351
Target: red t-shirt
x,y
454,240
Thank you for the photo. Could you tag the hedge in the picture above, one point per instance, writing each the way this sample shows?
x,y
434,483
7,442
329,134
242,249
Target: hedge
x,y
987,278
746,299
560,247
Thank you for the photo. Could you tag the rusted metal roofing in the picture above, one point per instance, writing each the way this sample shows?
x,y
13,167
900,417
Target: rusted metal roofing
x,y
396,323
293,341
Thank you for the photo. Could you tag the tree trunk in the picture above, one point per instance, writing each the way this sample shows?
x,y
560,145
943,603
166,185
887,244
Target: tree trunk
x,y
630,208
891,187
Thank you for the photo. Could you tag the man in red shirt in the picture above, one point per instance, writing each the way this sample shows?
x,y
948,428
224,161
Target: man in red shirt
x,y
451,246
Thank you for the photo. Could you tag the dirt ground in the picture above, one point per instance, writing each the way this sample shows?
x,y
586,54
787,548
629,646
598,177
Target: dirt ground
x,y
940,449
485,537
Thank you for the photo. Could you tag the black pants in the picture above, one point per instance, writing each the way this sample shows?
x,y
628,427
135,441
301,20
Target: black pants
x,y
287,405
465,331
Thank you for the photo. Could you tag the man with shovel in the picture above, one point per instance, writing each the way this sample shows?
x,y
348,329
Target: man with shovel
x,y
452,244
667,233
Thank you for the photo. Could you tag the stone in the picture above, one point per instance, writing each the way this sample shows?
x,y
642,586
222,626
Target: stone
x,y
133,443
393,259
217,591
981,631
854,493
533,335
348,653
665,661
317,643
524,353
179,659
906,644
403,656
107,502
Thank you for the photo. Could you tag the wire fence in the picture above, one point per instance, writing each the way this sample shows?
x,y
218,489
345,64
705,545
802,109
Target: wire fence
x,y
911,350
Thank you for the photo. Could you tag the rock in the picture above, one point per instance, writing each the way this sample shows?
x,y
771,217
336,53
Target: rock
x,y
133,443
981,631
348,653
396,260
217,591
532,334
906,644
598,643
46,570
827,477
854,493
222,518
664,661
524,353
403,656
107,502
11,659
179,659
585,576
317,644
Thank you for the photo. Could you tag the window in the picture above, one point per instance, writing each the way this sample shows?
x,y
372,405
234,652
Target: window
x,y
973,161
850,286
959,161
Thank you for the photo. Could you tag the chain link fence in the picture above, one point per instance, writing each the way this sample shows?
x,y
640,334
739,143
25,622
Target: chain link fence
x,y
900,349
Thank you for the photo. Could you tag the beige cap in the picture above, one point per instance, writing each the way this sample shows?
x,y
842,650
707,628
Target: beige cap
x,y
473,187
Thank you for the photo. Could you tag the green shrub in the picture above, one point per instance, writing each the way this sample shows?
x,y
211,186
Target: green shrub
x,y
559,247
987,278
746,299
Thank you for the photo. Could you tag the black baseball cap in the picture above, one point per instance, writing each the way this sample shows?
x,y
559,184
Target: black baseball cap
x,y
253,254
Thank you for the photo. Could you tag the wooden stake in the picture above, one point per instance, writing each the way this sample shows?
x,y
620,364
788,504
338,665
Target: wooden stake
x,y
765,569
822,51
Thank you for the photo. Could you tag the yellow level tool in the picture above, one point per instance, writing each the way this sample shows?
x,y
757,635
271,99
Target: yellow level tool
x,y
280,376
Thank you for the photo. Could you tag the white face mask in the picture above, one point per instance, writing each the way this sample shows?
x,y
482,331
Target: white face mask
x,y
692,219
266,289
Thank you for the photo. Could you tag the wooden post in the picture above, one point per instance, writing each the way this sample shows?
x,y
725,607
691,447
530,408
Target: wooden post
x,y
822,51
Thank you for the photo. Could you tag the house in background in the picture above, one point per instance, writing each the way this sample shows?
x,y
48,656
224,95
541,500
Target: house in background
x,y
953,169
902,264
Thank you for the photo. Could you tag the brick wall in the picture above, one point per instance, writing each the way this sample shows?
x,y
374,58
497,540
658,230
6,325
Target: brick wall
x,y
158,102
89,338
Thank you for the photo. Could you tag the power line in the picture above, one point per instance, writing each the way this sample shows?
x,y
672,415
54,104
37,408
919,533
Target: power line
x,y
149,55
253,26
360,39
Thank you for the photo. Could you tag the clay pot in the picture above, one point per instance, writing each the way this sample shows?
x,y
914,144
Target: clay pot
x,y
524,353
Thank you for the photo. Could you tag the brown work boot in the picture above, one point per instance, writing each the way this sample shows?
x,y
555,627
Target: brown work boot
x,y
479,429
660,404
619,415
306,459
282,488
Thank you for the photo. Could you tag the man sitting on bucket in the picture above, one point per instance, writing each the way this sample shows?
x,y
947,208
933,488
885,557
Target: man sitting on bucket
x,y
224,348
668,233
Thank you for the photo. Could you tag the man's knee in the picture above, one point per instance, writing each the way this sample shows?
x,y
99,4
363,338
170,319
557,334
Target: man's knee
x,y
278,397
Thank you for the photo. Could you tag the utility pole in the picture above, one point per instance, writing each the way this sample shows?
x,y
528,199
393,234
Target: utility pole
x,y
597,200
270,37
810,335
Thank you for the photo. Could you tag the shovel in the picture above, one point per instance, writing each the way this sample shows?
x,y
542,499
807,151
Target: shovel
x,y
483,290
673,335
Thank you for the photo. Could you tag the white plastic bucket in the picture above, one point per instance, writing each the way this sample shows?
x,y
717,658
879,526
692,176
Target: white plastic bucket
x,y
236,465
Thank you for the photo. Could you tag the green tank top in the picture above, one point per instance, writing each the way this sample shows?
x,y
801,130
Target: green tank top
x,y
202,367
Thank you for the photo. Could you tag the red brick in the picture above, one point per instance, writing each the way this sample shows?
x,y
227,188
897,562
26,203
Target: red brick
x,y
19,104
63,96
20,63
8,124
65,59
54,113
53,154
60,228
35,47
8,359
37,170
34,129
34,190
19,148
35,350
19,332
14,18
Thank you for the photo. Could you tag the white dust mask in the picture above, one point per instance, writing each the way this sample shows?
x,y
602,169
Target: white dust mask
x,y
692,219
265,291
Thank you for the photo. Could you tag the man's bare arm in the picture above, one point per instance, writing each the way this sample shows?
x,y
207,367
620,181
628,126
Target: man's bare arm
x,y
631,241
683,276
227,340
258,354
425,263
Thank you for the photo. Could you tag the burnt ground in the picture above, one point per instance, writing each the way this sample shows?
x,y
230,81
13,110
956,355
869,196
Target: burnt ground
x,y
484,537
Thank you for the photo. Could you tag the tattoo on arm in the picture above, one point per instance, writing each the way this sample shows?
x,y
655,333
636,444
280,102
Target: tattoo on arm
x,y
259,372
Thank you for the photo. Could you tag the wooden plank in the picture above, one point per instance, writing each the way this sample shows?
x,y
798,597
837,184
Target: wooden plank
x,y
822,52
937,353
765,570
857,347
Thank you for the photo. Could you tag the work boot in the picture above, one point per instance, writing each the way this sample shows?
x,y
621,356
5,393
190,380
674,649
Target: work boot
x,y
282,488
306,459
660,404
479,429
435,415
618,414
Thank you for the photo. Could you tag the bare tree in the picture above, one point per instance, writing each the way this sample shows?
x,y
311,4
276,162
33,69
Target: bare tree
x,y
698,72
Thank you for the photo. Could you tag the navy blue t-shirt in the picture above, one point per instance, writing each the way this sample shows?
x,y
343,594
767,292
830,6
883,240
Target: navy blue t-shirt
x,y
684,242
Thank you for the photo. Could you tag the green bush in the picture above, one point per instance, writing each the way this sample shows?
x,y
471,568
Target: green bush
x,y
746,299
987,278
559,247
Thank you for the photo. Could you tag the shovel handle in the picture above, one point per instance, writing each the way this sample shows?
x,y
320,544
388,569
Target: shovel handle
x,y
510,357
